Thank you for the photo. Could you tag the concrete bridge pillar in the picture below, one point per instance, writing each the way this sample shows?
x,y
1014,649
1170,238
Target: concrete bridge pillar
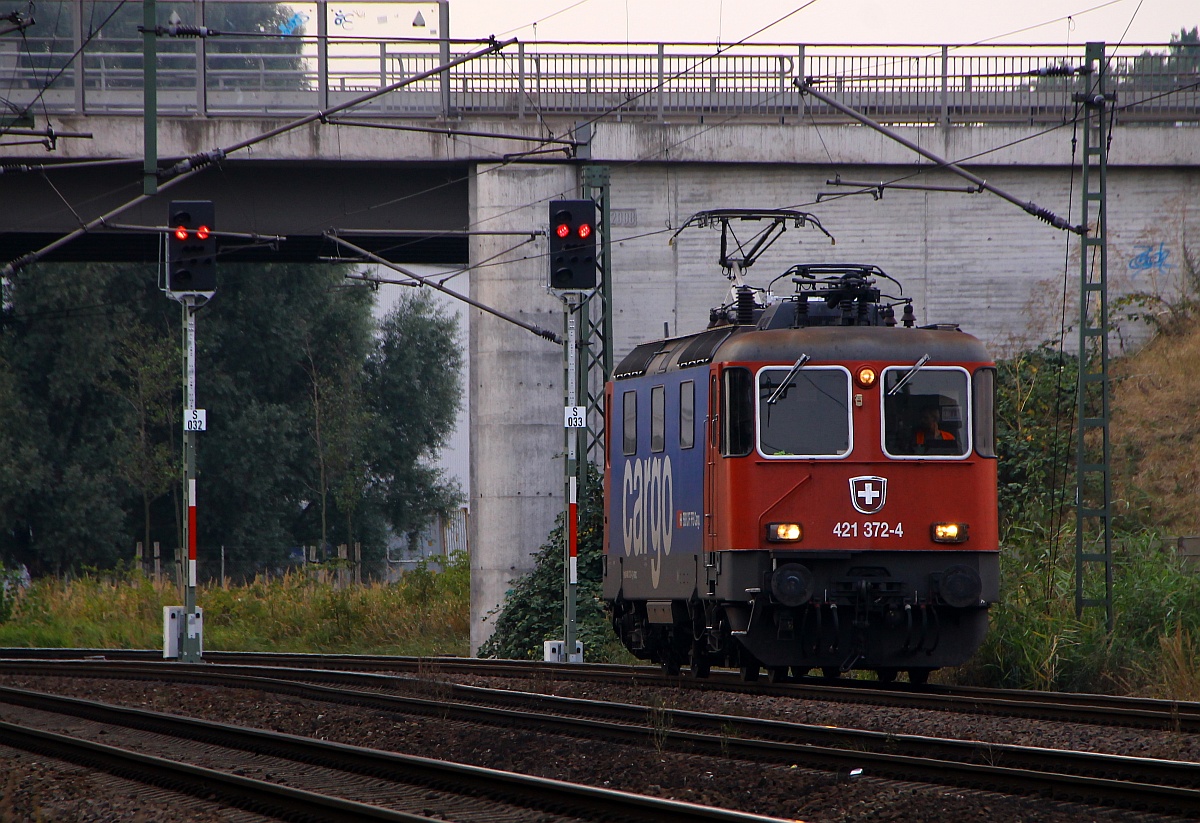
x,y
516,378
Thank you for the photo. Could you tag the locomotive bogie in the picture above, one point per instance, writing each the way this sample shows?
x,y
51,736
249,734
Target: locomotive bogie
x,y
866,610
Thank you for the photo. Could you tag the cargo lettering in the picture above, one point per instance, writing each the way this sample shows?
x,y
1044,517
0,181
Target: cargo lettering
x,y
647,504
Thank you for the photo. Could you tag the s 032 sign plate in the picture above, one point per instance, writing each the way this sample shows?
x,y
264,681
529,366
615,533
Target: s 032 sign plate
x,y
195,420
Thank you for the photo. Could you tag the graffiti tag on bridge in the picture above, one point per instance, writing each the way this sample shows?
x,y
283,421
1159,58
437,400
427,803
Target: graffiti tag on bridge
x,y
1151,258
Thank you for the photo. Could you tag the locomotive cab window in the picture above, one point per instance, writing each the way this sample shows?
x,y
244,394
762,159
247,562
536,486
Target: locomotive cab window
x,y
658,418
629,422
985,412
926,412
687,414
737,406
804,412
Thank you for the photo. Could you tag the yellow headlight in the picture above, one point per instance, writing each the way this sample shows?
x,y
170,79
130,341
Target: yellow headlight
x,y
949,532
784,532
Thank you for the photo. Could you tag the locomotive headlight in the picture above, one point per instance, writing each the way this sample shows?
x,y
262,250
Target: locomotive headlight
x,y
784,532
960,586
949,532
865,377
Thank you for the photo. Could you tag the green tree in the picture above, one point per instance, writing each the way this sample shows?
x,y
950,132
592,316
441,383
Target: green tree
x,y
321,426
21,470
266,335
249,53
63,345
1163,71
146,380
414,388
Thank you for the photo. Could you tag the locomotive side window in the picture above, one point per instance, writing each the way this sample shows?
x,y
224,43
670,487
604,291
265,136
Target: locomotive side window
x,y
925,412
687,414
984,386
658,418
807,417
737,431
629,422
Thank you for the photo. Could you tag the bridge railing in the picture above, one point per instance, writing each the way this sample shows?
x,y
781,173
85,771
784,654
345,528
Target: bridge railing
x,y
948,85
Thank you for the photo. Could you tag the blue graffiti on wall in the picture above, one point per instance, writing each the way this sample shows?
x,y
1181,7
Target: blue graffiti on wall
x,y
1151,258
296,21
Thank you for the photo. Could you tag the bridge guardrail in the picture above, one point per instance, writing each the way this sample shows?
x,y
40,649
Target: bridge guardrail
x,y
945,85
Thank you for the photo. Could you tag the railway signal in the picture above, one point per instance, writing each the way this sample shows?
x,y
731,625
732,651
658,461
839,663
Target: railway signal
x,y
191,248
573,245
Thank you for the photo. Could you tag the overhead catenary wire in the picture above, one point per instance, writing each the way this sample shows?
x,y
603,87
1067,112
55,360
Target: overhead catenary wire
x,y
660,151
752,35
507,159
74,56
434,284
1032,208
510,157
657,154
191,165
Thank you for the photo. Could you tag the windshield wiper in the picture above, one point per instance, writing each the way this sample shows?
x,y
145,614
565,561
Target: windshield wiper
x,y
909,375
775,395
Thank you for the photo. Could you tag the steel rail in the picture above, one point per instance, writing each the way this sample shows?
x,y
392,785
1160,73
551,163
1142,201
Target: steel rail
x,y
1022,770
586,802
1095,709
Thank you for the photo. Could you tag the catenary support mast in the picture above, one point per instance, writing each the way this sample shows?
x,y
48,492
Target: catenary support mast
x,y
1093,490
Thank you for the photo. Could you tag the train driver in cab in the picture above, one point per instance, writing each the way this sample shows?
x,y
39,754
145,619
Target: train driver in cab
x,y
929,436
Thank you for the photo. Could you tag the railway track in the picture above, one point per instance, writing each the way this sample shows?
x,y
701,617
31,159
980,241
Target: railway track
x,y
1126,782
312,779
1059,707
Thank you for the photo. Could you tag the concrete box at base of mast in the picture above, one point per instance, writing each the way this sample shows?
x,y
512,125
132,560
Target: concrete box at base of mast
x,y
552,652
172,617
173,621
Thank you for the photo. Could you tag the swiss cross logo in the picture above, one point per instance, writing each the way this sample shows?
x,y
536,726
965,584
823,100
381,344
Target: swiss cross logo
x,y
868,493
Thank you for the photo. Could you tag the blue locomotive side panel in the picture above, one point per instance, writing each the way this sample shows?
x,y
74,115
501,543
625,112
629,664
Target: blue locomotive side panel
x,y
656,456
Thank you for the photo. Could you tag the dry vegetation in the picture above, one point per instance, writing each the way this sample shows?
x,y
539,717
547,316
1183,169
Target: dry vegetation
x,y
1156,415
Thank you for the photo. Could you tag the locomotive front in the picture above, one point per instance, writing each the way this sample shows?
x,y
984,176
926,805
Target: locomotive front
x,y
807,485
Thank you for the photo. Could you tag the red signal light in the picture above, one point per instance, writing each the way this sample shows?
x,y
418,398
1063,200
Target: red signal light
x,y
202,232
585,231
181,233
562,229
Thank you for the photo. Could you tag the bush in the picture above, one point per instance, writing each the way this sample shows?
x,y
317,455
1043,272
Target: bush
x,y
1037,642
1035,410
533,608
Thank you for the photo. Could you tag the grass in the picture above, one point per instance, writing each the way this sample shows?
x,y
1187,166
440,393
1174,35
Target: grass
x,y
425,613
1037,642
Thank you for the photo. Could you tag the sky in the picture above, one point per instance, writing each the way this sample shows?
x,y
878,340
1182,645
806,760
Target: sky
x,y
826,21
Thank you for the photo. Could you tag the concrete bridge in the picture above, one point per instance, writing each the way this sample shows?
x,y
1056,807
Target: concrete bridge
x,y
458,166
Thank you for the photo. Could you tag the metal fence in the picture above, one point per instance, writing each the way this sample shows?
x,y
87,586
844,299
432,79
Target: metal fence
x,y
441,537
948,85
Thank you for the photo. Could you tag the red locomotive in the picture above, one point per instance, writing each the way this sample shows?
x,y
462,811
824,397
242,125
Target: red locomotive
x,y
808,483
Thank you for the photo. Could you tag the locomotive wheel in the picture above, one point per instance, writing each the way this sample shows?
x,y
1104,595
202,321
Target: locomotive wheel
x,y
671,666
701,664
777,674
887,675
831,672
918,677
750,672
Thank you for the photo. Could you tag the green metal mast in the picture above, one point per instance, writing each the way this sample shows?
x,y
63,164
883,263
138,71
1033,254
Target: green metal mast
x,y
596,336
149,97
1093,490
